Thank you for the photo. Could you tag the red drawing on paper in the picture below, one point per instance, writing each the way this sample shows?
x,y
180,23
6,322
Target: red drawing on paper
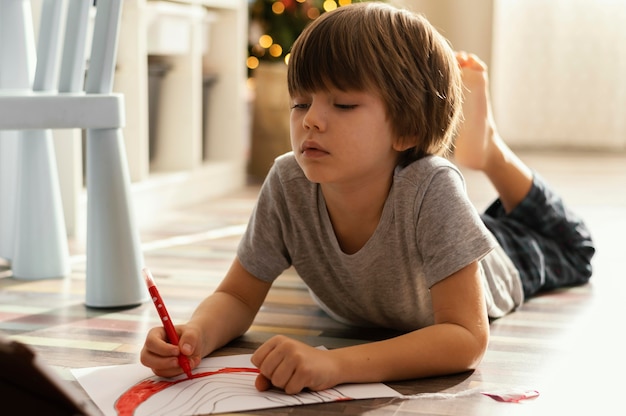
x,y
233,383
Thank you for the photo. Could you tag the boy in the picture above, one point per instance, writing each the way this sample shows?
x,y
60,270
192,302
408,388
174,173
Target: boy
x,y
377,225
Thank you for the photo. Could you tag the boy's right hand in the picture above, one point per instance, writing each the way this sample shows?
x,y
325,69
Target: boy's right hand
x,y
162,357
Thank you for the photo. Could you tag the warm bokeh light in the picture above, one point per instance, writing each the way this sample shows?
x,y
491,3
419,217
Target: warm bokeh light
x,y
312,13
257,50
252,62
266,41
280,21
278,7
287,58
276,50
329,5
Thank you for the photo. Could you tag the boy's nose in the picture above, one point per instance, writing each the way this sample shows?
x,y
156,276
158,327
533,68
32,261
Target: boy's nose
x,y
314,118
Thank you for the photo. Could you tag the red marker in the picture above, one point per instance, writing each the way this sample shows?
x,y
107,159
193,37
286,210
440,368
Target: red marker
x,y
172,336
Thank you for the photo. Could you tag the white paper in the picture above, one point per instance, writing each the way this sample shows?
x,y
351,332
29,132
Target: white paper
x,y
223,384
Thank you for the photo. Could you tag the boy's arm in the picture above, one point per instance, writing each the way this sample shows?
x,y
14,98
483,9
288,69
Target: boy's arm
x,y
230,310
221,317
455,343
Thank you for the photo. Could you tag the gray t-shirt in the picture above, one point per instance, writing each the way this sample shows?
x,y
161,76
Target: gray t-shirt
x,y
428,230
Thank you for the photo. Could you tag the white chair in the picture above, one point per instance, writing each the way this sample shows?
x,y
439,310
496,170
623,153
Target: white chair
x,y
31,220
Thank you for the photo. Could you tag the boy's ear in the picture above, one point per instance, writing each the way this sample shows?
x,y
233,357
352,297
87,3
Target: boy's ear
x,y
404,143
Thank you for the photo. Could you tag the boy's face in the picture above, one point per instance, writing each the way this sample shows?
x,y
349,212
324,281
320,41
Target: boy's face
x,y
341,137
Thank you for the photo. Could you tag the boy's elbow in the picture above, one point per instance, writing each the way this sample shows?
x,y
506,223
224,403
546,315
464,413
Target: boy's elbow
x,y
475,361
464,353
468,361
470,349
477,349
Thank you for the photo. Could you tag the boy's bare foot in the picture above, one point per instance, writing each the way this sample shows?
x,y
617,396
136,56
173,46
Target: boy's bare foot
x,y
478,144
477,131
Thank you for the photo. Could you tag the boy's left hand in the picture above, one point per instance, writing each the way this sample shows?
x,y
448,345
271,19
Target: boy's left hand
x,y
293,366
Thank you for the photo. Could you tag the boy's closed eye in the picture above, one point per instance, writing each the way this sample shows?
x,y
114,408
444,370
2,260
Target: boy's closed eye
x,y
346,106
305,106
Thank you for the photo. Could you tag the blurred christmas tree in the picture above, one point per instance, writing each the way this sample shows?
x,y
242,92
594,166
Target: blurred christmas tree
x,y
275,25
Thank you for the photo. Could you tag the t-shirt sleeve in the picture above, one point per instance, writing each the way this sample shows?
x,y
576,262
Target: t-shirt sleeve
x,y
262,250
449,230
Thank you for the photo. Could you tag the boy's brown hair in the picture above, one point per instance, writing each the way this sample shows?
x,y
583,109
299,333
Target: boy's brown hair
x,y
394,53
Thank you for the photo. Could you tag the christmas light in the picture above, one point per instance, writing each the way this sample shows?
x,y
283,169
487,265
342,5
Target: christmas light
x,y
275,25
278,7
329,5
252,62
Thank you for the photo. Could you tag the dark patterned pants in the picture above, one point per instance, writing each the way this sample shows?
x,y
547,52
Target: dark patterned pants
x,y
550,246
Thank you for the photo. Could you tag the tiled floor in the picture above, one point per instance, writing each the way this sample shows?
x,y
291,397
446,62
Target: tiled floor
x,y
568,345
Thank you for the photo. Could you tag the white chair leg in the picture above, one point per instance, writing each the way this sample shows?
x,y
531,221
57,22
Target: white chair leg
x,y
114,257
41,249
39,239
72,72
8,190
17,66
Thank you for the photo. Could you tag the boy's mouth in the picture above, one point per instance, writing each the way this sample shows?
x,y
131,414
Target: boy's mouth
x,y
312,149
